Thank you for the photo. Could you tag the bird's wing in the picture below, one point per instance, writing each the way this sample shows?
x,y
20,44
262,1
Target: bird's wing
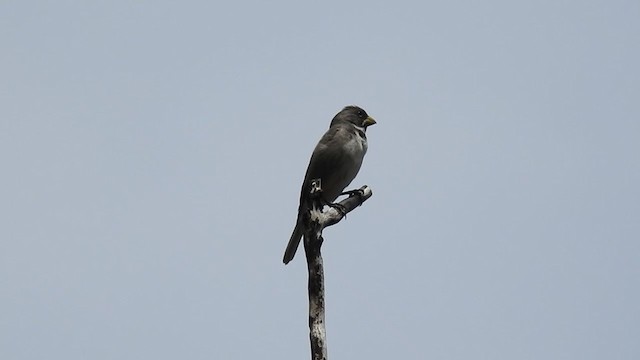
x,y
327,153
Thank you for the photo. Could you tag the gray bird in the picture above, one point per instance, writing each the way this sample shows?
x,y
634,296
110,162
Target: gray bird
x,y
336,160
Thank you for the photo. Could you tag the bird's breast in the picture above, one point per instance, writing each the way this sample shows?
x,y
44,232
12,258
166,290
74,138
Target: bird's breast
x,y
356,146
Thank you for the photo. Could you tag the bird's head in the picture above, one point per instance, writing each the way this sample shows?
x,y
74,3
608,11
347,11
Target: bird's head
x,y
354,115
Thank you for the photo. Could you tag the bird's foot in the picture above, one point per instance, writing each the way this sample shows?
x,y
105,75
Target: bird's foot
x,y
357,192
340,208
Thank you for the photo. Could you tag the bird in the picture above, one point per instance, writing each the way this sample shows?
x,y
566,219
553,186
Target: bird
x,y
336,161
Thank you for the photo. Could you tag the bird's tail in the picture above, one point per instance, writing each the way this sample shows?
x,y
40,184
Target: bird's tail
x,y
292,246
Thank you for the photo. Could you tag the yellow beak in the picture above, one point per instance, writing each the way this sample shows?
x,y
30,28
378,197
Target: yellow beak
x,y
369,121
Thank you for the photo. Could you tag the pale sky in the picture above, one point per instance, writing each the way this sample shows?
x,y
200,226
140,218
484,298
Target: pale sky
x,y
153,151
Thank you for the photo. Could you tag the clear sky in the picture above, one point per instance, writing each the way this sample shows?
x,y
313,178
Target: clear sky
x,y
152,154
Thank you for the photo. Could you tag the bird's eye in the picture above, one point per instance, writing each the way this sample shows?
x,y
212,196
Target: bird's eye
x,y
360,114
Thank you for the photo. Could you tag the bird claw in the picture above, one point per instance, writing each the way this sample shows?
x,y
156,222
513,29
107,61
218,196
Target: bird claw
x,y
357,192
340,208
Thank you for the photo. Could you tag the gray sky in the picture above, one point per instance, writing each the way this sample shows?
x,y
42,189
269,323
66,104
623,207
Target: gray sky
x,y
152,154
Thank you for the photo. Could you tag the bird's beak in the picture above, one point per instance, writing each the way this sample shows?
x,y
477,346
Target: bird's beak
x,y
368,121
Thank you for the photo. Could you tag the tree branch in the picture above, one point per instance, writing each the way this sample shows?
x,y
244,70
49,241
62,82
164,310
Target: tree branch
x,y
315,221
